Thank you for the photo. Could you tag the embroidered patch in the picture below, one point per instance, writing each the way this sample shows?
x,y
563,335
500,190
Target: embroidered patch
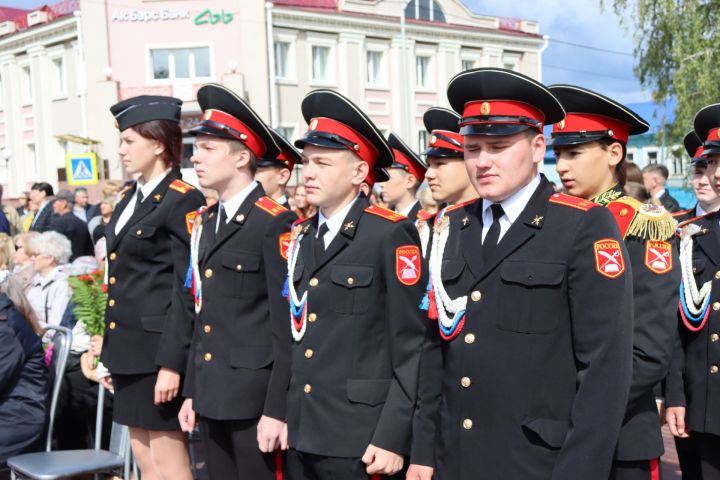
x,y
270,206
570,201
385,213
608,258
284,241
658,256
407,264
190,219
180,186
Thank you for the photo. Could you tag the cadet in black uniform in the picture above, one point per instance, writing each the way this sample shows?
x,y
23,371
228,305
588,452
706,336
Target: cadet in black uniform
x,y
692,392
590,145
406,173
149,313
356,276
707,200
239,362
535,361
273,173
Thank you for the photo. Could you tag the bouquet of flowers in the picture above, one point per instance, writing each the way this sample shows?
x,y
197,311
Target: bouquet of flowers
x,y
89,294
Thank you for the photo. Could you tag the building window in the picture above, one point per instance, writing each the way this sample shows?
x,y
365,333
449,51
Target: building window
x,y
286,132
422,140
652,158
26,84
511,61
468,64
423,76
58,76
375,68
282,50
320,63
630,156
424,10
180,63
32,157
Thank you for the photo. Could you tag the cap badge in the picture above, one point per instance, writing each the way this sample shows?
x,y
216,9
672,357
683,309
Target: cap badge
x,y
433,139
610,132
207,114
561,124
717,133
485,108
313,124
243,137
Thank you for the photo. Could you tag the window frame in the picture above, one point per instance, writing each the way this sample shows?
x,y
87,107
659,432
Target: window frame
x,y
429,53
327,41
289,37
383,49
512,58
26,81
62,93
150,72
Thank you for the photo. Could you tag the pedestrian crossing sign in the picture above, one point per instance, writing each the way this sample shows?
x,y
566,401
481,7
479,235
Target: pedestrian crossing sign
x,y
81,168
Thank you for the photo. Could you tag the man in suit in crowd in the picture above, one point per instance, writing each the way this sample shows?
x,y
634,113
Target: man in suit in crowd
x,y
654,178
71,226
40,195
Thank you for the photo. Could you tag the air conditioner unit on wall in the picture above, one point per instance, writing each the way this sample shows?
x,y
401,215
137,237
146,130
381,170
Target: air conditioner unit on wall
x,y
8,27
37,17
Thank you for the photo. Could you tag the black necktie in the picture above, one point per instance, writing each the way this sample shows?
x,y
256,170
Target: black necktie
x,y
320,241
138,199
222,219
493,234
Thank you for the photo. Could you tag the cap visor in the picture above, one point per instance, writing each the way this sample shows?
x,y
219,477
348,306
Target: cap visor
x,y
320,142
205,130
443,153
493,129
562,140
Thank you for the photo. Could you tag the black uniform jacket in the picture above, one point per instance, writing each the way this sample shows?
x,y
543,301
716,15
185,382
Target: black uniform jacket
x,y
239,362
536,384
694,379
148,321
669,203
355,371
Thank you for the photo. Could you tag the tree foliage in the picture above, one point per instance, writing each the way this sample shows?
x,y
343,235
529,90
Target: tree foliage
x,y
677,52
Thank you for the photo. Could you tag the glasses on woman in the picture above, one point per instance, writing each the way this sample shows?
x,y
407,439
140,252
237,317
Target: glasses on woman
x,y
18,247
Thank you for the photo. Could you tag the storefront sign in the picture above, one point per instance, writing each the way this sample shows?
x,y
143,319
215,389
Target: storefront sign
x,y
149,15
209,17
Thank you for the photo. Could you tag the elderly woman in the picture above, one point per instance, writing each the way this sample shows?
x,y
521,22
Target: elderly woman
x,y
49,291
22,264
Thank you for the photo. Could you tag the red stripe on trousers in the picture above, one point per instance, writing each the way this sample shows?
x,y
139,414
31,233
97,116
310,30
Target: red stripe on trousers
x,y
278,465
375,476
654,469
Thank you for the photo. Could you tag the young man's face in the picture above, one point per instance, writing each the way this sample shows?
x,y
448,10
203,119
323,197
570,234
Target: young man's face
x,y
702,185
499,166
713,172
394,189
330,175
447,179
273,180
215,161
586,170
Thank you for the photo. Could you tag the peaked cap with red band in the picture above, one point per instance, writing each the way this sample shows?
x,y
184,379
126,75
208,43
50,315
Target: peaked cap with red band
x,y
444,128
707,127
694,148
335,122
376,176
406,159
495,101
228,116
287,158
592,117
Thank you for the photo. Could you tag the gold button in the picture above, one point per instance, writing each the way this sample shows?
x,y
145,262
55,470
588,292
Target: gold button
x,y
207,329
714,369
716,306
307,388
714,337
238,267
694,269
476,296
139,232
112,325
467,424
240,218
623,212
314,282
312,317
717,275
113,256
208,273
470,338
111,303
465,382
207,357
309,353
350,280
112,280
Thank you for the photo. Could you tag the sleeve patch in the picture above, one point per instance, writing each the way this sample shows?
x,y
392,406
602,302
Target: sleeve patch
x,y
609,261
408,264
385,213
573,202
658,256
180,186
284,243
191,218
270,206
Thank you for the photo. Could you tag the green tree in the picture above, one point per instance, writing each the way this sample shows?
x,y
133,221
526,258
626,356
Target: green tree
x,y
677,52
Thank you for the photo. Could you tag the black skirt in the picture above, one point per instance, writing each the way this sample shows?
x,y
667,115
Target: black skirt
x,y
134,407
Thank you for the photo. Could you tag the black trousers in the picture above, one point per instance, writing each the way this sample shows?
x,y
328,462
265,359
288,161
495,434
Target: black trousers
x,y
707,447
689,458
306,466
232,452
635,470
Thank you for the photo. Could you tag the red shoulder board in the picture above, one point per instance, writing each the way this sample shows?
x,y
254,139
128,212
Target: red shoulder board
x,y
385,213
423,215
270,206
574,202
180,186
681,212
690,220
623,213
459,205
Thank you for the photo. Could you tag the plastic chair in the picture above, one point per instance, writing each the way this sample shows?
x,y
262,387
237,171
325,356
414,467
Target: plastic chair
x,y
67,463
62,340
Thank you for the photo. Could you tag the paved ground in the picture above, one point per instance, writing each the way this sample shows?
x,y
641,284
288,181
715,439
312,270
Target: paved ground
x,y
670,468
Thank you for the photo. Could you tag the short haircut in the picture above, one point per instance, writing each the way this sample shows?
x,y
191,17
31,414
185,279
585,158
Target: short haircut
x,y
52,244
81,189
658,169
43,187
237,146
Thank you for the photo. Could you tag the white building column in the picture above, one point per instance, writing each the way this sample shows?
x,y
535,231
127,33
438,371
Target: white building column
x,y
351,51
491,56
449,65
402,86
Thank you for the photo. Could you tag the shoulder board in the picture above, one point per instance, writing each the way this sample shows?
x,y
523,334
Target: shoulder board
x,y
573,202
270,206
690,220
180,186
681,212
423,215
458,206
385,213
642,220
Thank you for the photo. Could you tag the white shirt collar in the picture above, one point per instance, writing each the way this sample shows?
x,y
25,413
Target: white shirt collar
x,y
282,200
148,187
699,210
406,211
514,205
233,205
334,222
659,194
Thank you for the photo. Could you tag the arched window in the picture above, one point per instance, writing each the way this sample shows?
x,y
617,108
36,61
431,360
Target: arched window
x,y
425,10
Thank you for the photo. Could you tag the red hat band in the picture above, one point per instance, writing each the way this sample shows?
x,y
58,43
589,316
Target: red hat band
x,y
699,152
502,111
286,159
447,140
713,135
346,136
411,167
230,125
586,123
